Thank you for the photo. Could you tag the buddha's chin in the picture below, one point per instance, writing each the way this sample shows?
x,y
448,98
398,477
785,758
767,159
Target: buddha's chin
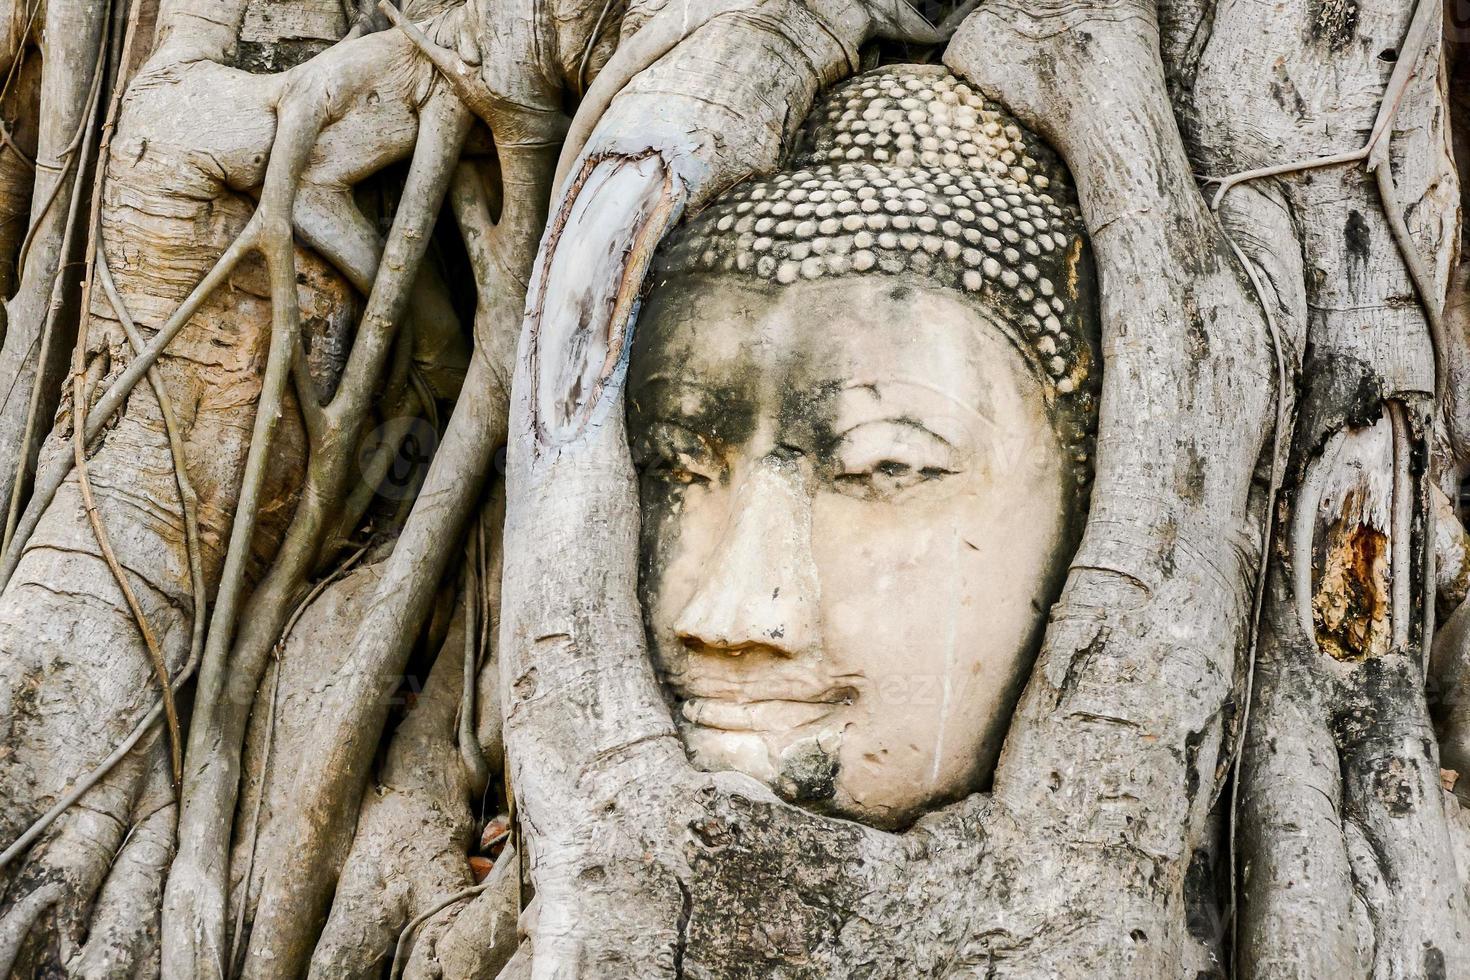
x,y
716,750
803,766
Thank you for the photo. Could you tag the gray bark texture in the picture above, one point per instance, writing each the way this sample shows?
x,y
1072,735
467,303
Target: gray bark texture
x,y
321,651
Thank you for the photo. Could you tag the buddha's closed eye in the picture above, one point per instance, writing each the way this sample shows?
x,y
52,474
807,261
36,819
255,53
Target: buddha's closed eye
x,y
881,459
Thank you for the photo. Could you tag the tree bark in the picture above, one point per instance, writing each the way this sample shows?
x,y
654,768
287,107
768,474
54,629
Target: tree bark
x,y
1235,753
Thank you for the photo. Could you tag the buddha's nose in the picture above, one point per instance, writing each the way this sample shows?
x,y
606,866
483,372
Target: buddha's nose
x,y
759,589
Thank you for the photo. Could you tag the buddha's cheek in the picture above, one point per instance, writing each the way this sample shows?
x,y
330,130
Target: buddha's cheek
x,y
904,615
936,607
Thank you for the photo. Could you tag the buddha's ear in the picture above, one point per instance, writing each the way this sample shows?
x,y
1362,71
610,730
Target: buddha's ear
x,y
897,20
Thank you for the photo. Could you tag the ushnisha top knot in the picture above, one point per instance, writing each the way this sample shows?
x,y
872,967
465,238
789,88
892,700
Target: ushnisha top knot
x,y
905,169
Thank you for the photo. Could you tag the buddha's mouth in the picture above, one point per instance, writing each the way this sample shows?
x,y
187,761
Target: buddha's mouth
x,y
764,714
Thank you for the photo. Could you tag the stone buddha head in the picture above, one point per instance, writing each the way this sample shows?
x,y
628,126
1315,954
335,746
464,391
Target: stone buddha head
x,y
861,402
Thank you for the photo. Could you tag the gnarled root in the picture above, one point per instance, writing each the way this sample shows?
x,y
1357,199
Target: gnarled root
x,y
86,898
73,688
480,934
71,40
413,833
280,737
123,926
500,254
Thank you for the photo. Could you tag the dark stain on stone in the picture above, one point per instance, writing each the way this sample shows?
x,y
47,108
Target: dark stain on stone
x,y
808,773
805,419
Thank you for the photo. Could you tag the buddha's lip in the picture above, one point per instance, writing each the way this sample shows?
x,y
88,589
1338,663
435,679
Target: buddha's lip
x,y
763,714
693,686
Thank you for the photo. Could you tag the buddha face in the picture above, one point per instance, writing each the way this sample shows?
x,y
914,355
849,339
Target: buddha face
x,y
854,520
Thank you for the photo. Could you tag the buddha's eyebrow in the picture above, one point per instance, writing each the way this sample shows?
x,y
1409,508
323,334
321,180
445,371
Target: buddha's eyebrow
x,y
905,421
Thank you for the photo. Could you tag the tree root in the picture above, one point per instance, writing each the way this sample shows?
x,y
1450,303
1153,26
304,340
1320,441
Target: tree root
x,y
463,79
79,442
483,936
91,779
281,740
79,401
33,351
253,832
18,921
477,770
1374,154
664,31
104,544
413,832
144,363
122,925
1280,442
188,499
83,136
219,725
77,862
452,486
400,951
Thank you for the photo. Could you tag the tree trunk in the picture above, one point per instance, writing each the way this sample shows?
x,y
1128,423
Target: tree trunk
x,y
349,297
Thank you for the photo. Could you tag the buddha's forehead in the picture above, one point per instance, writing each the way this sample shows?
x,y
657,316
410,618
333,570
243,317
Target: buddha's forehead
x,y
768,350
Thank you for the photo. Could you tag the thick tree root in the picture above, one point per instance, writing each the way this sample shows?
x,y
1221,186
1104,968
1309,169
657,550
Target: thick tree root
x,y
280,738
88,878
482,937
122,927
413,833
80,394
501,254
46,352
33,359
220,710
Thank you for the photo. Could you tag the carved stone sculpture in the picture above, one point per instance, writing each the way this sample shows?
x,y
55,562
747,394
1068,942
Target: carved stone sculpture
x,y
862,402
